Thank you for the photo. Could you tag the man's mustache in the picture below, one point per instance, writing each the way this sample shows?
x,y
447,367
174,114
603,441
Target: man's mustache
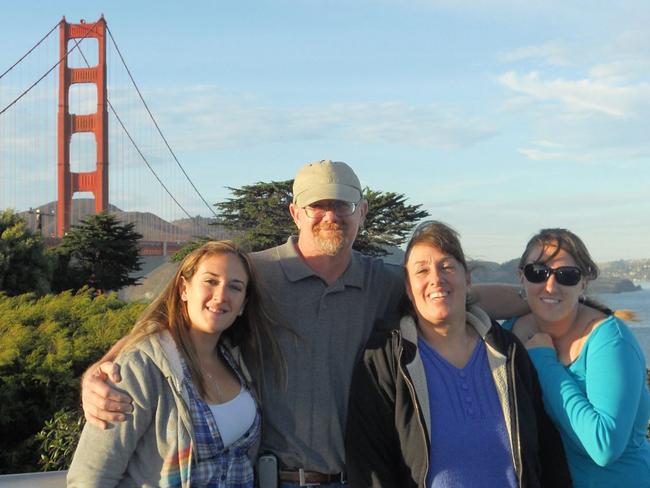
x,y
329,226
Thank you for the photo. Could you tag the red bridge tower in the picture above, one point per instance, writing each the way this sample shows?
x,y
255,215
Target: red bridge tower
x,y
94,181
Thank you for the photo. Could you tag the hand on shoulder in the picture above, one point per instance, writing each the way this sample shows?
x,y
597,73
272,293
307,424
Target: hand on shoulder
x,y
539,339
102,403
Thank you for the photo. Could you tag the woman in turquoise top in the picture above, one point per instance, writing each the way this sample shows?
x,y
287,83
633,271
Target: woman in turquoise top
x,y
590,366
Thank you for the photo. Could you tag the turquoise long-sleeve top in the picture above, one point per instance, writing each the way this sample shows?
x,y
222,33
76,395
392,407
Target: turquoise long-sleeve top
x,y
601,406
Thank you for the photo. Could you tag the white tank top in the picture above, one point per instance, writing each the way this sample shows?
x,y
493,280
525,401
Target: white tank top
x,y
234,417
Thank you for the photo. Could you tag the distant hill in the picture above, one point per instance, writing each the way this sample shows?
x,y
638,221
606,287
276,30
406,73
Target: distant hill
x,y
631,269
614,278
490,272
152,227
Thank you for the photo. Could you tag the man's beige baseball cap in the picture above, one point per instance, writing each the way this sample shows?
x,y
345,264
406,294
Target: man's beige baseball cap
x,y
325,180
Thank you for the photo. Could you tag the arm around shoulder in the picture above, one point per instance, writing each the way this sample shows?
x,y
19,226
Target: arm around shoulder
x,y
101,401
102,456
500,301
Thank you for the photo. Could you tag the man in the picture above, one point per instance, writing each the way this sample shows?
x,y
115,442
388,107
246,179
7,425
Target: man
x,y
328,297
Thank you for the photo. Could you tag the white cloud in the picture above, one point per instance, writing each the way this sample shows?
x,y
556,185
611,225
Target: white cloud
x,y
594,107
579,155
541,155
597,118
621,71
590,95
552,53
204,118
397,123
547,144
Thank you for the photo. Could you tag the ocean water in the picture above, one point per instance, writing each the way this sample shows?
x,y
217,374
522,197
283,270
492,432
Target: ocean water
x,y
639,302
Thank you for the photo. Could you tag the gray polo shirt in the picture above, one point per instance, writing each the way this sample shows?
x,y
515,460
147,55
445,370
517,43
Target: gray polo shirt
x,y
304,425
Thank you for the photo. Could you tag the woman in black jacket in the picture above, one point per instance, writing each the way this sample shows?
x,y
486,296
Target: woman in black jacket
x,y
447,398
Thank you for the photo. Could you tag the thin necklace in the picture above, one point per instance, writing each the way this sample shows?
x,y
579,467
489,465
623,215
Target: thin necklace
x,y
214,383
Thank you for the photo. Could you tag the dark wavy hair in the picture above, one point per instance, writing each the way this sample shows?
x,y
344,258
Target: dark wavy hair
x,y
438,235
558,240
563,239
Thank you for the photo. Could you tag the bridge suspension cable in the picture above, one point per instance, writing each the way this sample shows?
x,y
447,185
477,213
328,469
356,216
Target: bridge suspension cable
x,y
147,162
128,134
153,119
132,142
30,51
47,72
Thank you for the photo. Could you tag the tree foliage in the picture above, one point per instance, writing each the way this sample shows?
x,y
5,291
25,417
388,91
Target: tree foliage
x,y
388,223
23,265
261,213
100,252
179,255
45,345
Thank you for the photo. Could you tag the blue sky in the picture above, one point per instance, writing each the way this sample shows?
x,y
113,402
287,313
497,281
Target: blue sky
x,y
500,117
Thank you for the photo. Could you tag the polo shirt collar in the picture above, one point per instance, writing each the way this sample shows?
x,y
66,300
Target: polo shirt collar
x,y
296,269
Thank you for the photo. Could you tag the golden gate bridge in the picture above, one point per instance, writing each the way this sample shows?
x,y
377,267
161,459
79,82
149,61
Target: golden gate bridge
x,y
77,137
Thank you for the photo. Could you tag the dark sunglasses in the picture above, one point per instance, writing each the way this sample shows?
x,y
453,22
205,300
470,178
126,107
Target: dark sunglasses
x,y
564,275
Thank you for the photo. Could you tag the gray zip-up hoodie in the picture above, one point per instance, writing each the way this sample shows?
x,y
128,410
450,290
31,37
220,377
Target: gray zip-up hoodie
x,y
154,446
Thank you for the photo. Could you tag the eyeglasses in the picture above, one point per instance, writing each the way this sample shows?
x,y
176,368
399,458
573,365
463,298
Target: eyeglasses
x,y
339,207
564,275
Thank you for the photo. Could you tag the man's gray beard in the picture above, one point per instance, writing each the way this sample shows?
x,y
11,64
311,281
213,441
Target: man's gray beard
x,y
330,246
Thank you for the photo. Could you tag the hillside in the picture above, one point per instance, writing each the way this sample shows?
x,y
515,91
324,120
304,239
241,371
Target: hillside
x,y
152,227
614,278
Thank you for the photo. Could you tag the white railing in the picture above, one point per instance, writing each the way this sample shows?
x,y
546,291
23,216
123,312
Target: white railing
x,y
48,479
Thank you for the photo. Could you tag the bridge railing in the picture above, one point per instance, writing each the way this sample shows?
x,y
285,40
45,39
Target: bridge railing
x,y
48,479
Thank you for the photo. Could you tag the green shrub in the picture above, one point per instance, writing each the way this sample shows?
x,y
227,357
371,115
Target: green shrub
x,y
58,439
46,343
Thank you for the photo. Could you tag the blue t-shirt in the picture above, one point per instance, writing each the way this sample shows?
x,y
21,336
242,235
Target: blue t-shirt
x,y
601,405
469,439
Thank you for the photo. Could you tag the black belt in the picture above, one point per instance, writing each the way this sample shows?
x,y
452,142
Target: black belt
x,y
307,478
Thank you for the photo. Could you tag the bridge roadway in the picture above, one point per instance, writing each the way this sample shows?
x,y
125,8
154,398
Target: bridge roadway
x,y
147,248
156,248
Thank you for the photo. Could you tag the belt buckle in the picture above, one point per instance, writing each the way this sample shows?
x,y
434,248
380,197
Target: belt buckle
x,y
301,479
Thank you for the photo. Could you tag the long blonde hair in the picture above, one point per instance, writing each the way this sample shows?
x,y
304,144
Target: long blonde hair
x,y
169,312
